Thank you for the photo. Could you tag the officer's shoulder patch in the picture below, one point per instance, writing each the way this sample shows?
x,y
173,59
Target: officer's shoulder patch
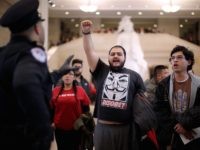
x,y
38,54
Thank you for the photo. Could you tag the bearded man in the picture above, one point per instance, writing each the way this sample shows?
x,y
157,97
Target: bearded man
x,y
116,88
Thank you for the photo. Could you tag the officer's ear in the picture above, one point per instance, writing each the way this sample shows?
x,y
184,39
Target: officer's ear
x,y
36,29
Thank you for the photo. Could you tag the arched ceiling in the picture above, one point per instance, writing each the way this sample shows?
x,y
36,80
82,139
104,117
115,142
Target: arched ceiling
x,y
109,8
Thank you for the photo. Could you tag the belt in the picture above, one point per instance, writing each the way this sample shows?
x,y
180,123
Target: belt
x,y
110,122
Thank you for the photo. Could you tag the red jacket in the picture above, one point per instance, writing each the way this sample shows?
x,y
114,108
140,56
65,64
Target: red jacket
x,y
67,107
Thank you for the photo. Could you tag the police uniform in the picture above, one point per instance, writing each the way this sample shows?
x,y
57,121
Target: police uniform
x,y
25,84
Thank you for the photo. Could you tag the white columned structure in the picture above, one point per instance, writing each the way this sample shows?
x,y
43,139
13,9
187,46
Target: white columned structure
x,y
43,9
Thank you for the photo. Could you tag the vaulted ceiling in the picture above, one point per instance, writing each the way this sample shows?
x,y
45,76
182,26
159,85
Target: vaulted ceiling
x,y
134,8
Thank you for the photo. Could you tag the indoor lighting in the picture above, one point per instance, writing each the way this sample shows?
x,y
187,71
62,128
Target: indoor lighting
x,y
89,7
170,8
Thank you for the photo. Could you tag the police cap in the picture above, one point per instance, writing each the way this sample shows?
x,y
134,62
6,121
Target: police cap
x,y
21,16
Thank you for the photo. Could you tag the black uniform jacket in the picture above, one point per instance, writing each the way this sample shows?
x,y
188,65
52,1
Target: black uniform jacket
x,y
25,91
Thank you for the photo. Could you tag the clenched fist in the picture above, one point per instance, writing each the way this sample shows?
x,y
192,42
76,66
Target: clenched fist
x,y
86,26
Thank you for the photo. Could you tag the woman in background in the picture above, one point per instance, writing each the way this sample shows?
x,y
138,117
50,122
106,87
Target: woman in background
x,y
69,102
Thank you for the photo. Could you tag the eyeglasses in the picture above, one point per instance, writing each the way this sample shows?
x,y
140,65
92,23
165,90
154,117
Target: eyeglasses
x,y
179,57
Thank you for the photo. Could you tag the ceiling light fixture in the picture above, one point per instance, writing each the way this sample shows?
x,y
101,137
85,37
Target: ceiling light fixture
x,y
89,7
170,8
51,3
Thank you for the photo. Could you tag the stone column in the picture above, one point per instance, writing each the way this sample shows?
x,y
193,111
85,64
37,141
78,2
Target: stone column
x,y
44,10
199,32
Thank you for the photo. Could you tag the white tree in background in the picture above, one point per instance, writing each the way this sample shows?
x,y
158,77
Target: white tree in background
x,y
129,39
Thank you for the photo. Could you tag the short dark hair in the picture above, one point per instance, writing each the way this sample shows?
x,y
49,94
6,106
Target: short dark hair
x,y
158,69
189,55
118,46
79,61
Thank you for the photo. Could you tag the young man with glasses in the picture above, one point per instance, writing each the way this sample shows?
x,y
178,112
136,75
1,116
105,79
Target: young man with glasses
x,y
177,103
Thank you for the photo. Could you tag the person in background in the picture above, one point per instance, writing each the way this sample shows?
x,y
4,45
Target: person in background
x,y
116,88
159,73
177,103
69,102
25,82
88,87
56,75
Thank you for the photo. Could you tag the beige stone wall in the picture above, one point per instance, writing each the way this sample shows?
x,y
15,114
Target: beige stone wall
x,y
4,33
54,30
156,47
170,26
4,36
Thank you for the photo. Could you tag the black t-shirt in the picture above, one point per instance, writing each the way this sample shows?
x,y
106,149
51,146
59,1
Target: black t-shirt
x,y
115,92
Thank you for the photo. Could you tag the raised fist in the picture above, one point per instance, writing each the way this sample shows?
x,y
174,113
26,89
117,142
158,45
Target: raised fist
x,y
86,26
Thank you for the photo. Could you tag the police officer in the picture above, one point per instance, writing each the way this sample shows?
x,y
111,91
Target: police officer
x,y
25,82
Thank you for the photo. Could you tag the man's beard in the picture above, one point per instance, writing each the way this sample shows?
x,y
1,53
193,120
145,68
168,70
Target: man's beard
x,y
117,68
77,74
